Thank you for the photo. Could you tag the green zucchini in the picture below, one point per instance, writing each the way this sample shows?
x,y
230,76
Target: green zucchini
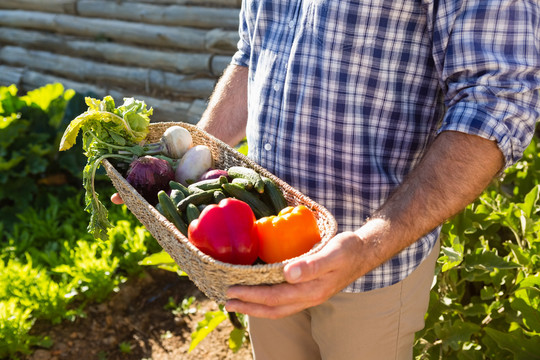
x,y
245,183
177,196
211,184
218,196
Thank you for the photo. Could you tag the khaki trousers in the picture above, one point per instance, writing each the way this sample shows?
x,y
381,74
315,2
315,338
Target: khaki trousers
x,y
375,325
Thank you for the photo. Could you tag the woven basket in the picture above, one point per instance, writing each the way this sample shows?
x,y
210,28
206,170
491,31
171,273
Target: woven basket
x,y
213,277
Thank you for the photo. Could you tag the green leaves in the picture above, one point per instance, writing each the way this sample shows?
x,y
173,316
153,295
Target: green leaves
x,y
29,159
118,126
521,347
211,321
486,302
105,128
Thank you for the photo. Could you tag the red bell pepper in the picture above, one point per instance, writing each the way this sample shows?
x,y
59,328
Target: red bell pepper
x,y
226,232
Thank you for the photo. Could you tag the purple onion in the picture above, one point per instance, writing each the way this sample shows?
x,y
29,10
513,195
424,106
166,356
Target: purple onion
x,y
148,175
213,174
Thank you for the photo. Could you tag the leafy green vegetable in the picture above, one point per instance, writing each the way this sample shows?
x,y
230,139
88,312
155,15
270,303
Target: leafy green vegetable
x,y
108,132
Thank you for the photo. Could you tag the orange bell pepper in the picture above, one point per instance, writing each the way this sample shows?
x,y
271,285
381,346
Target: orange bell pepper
x,y
291,233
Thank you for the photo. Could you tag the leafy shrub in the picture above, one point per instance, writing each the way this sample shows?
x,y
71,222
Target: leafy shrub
x,y
15,323
30,130
485,304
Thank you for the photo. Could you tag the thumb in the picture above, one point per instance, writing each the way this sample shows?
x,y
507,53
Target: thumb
x,y
308,268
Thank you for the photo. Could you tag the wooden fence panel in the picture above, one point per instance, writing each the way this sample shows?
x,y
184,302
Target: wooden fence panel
x,y
169,53
94,72
176,61
190,16
123,31
54,6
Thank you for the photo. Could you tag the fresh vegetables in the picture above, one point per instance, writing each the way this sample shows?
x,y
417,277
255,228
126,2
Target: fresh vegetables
x,y
257,205
226,232
247,174
106,130
118,134
215,208
281,232
274,196
176,141
168,209
214,174
196,161
148,175
291,233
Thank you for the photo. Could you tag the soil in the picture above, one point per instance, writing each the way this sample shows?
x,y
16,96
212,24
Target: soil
x,y
135,324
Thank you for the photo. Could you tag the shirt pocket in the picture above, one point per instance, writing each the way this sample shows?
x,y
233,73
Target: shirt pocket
x,y
340,25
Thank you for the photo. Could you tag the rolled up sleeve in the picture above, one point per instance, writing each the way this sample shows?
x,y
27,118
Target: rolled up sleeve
x,y
490,70
242,55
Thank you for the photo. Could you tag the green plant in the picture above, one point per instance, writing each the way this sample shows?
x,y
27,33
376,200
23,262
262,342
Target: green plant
x,y
186,308
125,347
30,164
34,289
486,302
15,324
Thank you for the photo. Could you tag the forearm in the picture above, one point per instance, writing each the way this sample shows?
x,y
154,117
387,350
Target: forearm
x,y
226,114
454,172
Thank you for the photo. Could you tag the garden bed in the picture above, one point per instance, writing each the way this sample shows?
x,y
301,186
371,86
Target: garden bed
x,y
137,323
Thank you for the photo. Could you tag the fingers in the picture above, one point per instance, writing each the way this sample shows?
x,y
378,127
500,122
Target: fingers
x,y
271,301
263,311
116,199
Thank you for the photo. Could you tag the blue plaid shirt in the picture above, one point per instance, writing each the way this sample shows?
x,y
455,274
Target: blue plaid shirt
x,y
345,96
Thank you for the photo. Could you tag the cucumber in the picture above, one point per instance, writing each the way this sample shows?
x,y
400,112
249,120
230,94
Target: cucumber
x,y
275,195
171,213
192,213
218,196
176,185
198,198
260,209
245,183
160,209
211,184
248,174
177,196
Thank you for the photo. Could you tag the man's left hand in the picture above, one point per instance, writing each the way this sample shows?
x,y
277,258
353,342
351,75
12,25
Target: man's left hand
x,y
310,281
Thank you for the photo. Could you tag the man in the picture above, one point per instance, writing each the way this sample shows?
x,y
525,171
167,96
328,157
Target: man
x,y
392,114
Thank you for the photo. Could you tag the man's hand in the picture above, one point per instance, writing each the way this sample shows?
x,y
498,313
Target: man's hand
x,y
310,281
116,199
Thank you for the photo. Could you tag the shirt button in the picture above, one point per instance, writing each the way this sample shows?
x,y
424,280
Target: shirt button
x,y
291,24
267,147
276,87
